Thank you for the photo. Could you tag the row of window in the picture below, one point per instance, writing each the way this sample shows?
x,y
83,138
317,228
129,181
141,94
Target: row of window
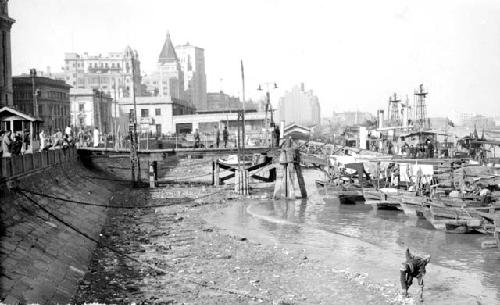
x,y
95,65
28,94
43,109
145,112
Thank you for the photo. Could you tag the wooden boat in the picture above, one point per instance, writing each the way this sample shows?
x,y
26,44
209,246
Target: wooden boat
x,y
413,205
348,193
384,204
452,219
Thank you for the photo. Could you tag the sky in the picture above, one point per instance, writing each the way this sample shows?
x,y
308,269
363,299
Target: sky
x,y
352,54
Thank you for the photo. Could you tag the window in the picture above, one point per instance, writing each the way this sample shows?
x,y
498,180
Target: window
x,y
144,113
81,107
157,111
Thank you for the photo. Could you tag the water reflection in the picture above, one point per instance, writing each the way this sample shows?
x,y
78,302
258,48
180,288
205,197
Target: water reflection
x,y
459,265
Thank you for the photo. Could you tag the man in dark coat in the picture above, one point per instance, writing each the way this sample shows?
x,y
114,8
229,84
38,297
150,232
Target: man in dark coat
x,y
225,136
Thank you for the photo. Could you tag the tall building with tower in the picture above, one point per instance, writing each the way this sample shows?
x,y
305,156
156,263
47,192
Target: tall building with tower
x,y
6,23
192,61
171,77
299,106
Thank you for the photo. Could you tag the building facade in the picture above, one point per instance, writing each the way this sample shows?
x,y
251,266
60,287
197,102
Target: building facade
x,y
192,61
6,91
219,101
52,99
299,106
114,73
91,108
155,113
352,118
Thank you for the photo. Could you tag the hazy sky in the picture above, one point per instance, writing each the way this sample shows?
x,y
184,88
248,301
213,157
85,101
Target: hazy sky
x,y
353,54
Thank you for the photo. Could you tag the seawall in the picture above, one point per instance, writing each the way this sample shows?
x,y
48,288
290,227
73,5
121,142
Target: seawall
x,y
43,259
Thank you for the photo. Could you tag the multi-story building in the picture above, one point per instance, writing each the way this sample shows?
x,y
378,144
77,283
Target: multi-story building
x,y
155,113
219,101
5,55
299,106
352,118
170,75
192,61
91,108
114,73
52,99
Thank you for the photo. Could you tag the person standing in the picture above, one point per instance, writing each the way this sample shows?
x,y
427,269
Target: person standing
x,y
6,144
26,140
96,137
42,140
225,136
430,149
67,131
277,135
217,136
196,138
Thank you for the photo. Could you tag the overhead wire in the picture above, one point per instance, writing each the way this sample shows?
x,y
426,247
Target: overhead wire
x,y
121,253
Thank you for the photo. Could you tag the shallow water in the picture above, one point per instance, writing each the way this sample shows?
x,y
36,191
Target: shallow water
x,y
360,239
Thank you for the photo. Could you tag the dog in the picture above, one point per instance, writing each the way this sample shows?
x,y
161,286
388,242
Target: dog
x,y
413,267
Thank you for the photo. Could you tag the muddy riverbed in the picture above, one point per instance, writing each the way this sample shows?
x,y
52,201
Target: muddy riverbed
x,y
205,245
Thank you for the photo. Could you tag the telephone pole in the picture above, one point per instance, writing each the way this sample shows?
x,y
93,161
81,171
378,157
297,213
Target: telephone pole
x,y
35,98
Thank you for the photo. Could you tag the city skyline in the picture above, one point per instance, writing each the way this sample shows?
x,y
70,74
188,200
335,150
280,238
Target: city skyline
x,y
351,58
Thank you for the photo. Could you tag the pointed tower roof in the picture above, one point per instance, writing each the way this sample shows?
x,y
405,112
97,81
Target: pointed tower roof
x,y
167,53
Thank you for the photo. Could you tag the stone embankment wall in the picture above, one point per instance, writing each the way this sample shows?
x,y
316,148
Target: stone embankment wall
x,y
43,259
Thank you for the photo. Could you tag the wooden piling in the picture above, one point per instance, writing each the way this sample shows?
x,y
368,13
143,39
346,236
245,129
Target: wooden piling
x,y
153,173
217,173
289,168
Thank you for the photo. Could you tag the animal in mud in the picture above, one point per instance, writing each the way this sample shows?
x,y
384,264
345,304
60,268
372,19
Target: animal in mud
x,y
413,267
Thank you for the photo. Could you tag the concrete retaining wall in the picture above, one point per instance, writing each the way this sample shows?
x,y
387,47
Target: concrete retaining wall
x,y
42,260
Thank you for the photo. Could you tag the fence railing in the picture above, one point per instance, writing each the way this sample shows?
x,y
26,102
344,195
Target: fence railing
x,y
16,166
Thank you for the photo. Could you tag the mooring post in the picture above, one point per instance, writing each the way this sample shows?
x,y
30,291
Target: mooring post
x,y
152,174
300,177
217,173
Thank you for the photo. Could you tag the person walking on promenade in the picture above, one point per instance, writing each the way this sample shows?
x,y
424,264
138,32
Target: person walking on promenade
x,y
80,137
1,139
26,141
67,131
96,137
217,136
196,138
42,140
225,136
6,143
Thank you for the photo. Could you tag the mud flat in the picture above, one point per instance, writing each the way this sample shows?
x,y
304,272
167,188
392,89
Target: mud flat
x,y
166,253
170,255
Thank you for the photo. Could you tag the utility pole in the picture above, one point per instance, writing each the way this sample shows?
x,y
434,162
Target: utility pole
x,y
134,157
35,98
115,130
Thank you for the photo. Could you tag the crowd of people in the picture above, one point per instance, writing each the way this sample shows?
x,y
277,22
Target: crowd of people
x,y
14,144
18,143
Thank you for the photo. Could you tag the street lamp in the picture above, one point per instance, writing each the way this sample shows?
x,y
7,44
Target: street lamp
x,y
269,107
